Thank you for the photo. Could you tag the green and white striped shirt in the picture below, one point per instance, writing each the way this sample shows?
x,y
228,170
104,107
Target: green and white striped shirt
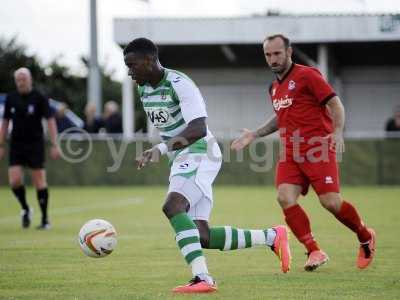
x,y
173,104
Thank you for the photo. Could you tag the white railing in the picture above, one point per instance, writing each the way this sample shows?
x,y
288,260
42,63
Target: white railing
x,y
352,135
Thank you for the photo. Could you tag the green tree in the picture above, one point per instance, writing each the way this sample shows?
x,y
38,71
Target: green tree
x,y
57,81
12,57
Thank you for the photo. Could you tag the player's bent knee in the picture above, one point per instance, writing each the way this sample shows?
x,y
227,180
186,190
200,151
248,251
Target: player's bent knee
x,y
284,201
288,194
331,201
168,210
175,204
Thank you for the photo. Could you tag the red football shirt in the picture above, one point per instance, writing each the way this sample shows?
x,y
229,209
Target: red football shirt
x,y
299,100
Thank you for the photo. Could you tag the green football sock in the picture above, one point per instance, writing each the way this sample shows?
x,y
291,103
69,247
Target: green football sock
x,y
230,238
188,240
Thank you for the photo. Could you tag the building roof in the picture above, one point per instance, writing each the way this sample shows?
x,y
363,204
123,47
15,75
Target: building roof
x,y
253,29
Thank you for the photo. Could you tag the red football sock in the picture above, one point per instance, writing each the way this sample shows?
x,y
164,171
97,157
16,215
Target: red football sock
x,y
298,222
348,215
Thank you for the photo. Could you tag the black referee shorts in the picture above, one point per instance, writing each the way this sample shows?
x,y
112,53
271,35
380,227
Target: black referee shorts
x,y
31,155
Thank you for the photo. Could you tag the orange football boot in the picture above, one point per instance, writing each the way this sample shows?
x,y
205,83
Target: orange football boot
x,y
281,247
196,286
367,251
315,259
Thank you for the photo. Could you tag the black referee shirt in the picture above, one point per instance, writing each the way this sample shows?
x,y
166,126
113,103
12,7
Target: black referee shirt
x,y
26,113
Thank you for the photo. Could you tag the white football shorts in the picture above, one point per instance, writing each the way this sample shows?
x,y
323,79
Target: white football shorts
x,y
192,176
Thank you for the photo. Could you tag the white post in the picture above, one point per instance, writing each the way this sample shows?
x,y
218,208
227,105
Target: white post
x,y
323,60
127,108
152,133
94,79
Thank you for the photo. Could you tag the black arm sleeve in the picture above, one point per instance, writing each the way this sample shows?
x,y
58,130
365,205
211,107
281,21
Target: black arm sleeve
x,y
7,109
46,111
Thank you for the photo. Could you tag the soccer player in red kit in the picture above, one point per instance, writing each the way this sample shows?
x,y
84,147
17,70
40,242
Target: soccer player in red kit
x,y
310,119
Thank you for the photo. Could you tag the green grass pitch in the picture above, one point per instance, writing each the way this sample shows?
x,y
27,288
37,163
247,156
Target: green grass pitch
x,y
146,263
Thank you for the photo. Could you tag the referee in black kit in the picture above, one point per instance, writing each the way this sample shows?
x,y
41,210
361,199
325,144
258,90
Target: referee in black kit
x,y
25,108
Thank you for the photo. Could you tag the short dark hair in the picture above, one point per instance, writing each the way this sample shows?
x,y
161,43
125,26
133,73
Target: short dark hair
x,y
284,38
142,46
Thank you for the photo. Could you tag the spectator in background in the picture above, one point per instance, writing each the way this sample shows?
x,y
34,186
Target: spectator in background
x,y
92,122
112,117
393,124
63,122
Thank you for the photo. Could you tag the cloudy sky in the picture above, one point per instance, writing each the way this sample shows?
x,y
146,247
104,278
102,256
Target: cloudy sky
x,y
61,28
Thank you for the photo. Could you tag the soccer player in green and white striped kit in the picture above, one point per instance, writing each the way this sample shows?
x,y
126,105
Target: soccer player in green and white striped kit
x,y
176,108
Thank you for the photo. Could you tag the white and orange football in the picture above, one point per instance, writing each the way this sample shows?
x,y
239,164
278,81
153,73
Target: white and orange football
x,y
97,238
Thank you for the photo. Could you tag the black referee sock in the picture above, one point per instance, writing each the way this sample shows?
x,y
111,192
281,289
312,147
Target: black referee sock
x,y
43,198
20,194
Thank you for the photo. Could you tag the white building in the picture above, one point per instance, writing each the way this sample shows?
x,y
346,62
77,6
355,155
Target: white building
x,y
359,54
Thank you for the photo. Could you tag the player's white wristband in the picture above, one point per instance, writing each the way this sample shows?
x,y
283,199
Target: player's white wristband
x,y
163,147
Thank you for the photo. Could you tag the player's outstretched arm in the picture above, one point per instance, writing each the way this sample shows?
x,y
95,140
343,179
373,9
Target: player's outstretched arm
x,y
249,136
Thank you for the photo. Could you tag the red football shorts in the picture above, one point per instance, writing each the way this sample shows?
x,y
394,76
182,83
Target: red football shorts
x,y
322,175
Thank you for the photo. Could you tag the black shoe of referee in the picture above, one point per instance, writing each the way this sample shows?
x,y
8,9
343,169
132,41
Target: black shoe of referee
x,y
26,216
44,226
